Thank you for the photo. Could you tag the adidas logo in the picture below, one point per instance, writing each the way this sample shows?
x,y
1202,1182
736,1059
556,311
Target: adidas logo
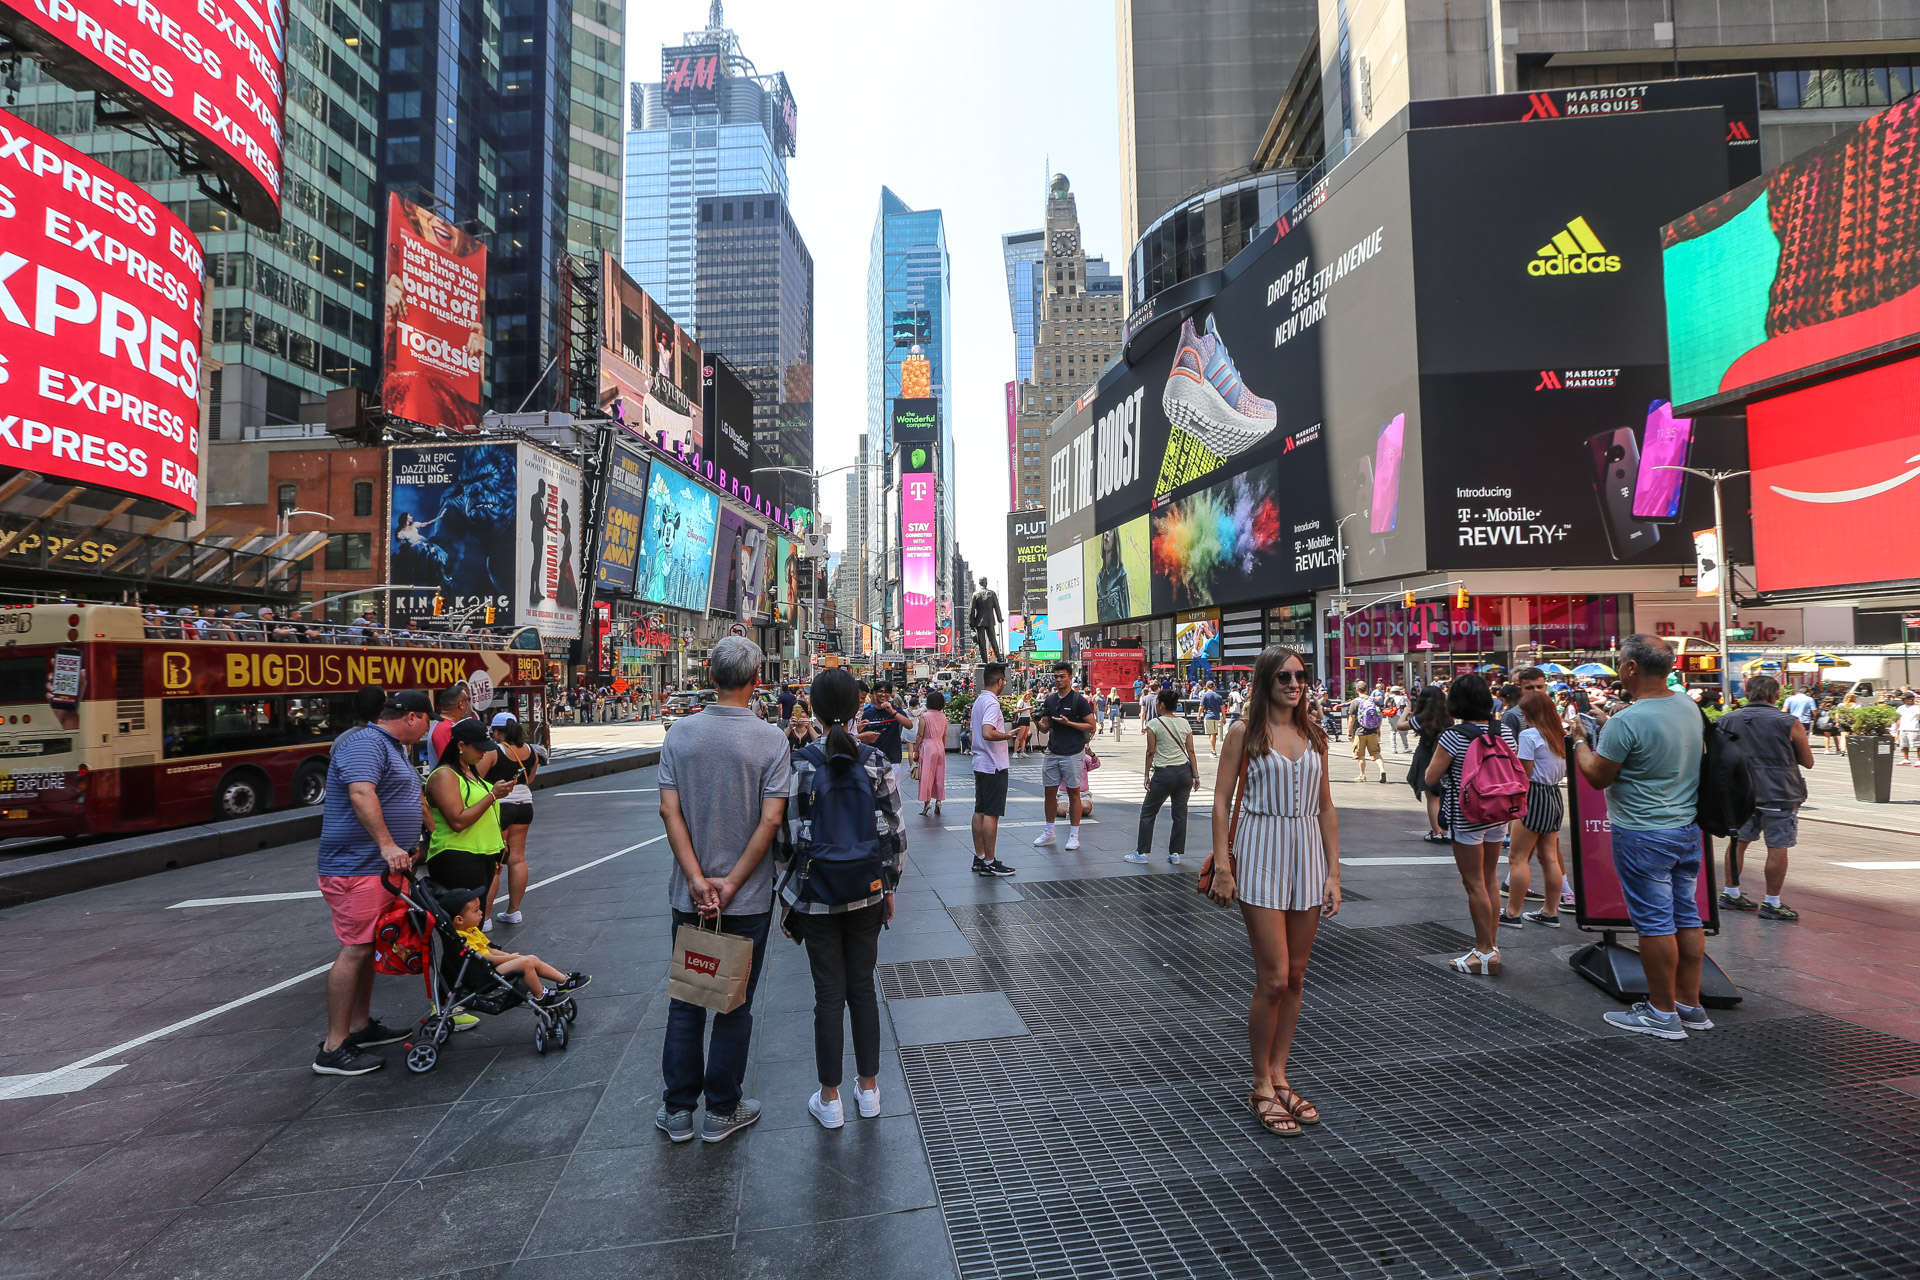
x,y
1573,252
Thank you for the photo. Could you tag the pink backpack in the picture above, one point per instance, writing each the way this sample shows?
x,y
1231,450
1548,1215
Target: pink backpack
x,y
1493,782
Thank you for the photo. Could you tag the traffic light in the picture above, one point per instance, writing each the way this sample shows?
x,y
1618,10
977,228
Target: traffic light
x,y
1461,600
439,604
489,615
1406,599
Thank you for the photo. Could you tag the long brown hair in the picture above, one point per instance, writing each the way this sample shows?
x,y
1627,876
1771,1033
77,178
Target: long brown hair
x,y
1270,661
1537,707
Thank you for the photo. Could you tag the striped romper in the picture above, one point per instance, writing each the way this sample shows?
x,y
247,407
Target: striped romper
x,y
1280,862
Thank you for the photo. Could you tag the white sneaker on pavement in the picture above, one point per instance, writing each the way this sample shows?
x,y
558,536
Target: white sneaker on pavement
x,y
831,1115
509,917
1044,838
1136,857
869,1100
1073,838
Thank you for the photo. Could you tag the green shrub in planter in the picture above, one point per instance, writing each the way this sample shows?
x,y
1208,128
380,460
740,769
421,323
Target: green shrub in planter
x,y
958,708
1867,721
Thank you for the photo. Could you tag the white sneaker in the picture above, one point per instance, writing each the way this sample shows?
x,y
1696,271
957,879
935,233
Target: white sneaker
x,y
1073,837
869,1100
831,1115
1174,858
509,917
486,926
1136,856
1044,838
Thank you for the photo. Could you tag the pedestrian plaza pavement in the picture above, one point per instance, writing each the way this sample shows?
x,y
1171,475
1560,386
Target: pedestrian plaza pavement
x,y
1062,1082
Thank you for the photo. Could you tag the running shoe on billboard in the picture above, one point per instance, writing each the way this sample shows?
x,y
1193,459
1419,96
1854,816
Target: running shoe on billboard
x,y
1206,397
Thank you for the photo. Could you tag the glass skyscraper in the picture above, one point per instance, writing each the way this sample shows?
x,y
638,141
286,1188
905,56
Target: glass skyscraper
x,y
711,126
909,296
753,304
596,112
1023,252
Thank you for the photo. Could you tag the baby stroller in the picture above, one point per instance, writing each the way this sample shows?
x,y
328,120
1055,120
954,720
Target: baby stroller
x,y
457,980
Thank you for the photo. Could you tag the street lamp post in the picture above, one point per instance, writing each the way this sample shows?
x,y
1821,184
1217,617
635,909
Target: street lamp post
x,y
286,518
1725,568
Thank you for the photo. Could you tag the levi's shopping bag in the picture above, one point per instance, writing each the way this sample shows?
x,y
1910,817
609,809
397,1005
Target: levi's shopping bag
x,y
710,968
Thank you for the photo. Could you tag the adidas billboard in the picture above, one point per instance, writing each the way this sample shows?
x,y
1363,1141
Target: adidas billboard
x,y
1575,251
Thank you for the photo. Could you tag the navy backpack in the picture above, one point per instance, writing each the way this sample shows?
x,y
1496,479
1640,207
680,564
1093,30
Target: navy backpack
x,y
838,855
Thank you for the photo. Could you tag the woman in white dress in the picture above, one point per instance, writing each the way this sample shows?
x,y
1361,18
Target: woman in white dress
x,y
1276,843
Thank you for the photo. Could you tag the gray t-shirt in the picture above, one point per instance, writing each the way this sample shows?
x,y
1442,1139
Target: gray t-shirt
x,y
724,762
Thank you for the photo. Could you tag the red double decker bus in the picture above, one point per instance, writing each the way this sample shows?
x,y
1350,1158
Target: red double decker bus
x,y
107,729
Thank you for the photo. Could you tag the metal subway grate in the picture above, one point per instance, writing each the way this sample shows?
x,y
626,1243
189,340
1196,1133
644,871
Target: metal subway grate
x,y
1466,1134
918,979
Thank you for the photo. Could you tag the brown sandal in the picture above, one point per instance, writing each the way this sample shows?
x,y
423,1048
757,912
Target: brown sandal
x,y
1300,1109
1264,1105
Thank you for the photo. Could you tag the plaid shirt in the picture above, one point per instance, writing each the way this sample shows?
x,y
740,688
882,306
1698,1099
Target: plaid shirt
x,y
797,830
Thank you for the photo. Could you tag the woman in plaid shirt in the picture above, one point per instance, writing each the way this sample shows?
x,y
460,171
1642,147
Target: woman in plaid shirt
x,y
842,937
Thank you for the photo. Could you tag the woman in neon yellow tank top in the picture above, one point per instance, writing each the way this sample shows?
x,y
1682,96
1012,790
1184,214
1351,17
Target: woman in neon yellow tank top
x,y
464,850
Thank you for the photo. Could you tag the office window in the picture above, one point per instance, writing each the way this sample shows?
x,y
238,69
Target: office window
x,y
363,497
350,551
289,497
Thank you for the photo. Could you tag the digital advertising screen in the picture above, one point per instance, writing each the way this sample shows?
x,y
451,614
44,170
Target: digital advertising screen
x,y
620,530
753,570
1119,565
918,554
1026,562
435,342
728,421
1066,588
1196,634
677,538
547,595
1813,266
100,322
916,433
1229,543
1046,640
729,564
209,70
1834,507
454,528
690,74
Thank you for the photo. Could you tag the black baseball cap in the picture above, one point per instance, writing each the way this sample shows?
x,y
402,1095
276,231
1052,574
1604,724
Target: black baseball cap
x,y
402,702
472,733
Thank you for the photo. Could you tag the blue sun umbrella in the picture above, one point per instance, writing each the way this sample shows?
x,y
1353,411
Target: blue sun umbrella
x,y
1553,669
1594,669
1761,664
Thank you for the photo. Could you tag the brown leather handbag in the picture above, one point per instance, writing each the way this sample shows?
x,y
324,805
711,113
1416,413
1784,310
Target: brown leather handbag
x,y
1233,829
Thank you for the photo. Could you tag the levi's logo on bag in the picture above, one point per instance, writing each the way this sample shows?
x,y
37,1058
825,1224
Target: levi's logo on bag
x,y
702,964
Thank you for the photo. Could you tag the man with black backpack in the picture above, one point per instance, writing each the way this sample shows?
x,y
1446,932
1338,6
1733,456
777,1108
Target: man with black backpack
x,y
1367,716
1649,762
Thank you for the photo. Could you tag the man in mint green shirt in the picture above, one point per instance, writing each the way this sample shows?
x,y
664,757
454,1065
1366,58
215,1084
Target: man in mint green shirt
x,y
1648,762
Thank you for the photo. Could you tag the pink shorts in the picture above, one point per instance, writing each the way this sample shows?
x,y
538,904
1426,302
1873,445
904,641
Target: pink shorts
x,y
356,903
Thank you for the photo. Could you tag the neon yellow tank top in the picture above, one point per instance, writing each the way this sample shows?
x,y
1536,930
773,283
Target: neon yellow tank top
x,y
483,837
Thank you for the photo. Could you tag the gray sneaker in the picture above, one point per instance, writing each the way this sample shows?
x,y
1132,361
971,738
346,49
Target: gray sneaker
x,y
677,1125
1648,1022
718,1128
1695,1020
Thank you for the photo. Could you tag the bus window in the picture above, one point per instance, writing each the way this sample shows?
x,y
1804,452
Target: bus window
x,y
183,724
256,719
23,681
318,718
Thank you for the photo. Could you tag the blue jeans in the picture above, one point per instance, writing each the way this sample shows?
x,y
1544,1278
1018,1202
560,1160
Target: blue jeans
x,y
1659,874
723,1067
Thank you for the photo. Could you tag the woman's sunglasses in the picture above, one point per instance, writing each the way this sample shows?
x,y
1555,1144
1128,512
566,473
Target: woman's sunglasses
x,y
1290,677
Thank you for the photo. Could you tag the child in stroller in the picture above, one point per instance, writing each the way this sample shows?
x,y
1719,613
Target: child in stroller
x,y
465,907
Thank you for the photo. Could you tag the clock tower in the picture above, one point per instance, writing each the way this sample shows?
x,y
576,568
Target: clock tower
x,y
1076,334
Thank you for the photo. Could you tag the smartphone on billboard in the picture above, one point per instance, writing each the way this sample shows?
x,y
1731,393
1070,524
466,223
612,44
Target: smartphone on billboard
x,y
1666,440
1384,512
1616,474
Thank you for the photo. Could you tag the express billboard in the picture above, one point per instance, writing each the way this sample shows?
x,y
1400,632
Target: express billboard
x,y
100,325
620,529
918,553
435,342
1812,267
676,548
210,71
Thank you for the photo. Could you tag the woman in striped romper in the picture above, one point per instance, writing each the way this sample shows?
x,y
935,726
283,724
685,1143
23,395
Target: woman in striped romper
x,y
1281,863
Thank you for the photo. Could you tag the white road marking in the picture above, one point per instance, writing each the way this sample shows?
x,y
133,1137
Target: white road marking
x,y
1423,860
1090,822
1879,866
623,791
248,897
39,1086
28,1085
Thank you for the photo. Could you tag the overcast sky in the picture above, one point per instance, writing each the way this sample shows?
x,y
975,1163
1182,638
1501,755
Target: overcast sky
x,y
962,107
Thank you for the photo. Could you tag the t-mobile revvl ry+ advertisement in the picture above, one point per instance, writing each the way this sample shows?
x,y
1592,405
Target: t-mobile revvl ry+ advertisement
x,y
99,326
547,595
436,286
1261,417
1549,440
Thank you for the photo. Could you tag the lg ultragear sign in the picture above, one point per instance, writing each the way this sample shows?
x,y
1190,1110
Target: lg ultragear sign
x,y
213,66
100,321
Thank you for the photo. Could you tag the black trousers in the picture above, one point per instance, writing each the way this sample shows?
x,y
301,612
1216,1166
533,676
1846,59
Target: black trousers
x,y
1173,782
842,950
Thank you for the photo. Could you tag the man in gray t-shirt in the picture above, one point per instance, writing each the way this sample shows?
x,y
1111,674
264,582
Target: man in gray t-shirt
x,y
724,778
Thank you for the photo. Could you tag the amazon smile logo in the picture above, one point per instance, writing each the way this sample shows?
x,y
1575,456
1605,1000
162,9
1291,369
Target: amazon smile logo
x,y
1852,495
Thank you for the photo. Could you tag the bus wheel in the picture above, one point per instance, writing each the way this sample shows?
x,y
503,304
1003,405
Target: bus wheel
x,y
310,784
242,794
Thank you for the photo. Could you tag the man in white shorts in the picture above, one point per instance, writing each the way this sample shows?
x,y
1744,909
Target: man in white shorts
x,y
1071,722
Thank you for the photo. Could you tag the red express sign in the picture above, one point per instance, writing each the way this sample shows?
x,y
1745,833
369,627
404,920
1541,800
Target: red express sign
x,y
99,325
213,66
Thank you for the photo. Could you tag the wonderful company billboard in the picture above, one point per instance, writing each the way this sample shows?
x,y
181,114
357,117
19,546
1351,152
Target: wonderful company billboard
x,y
211,70
100,322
